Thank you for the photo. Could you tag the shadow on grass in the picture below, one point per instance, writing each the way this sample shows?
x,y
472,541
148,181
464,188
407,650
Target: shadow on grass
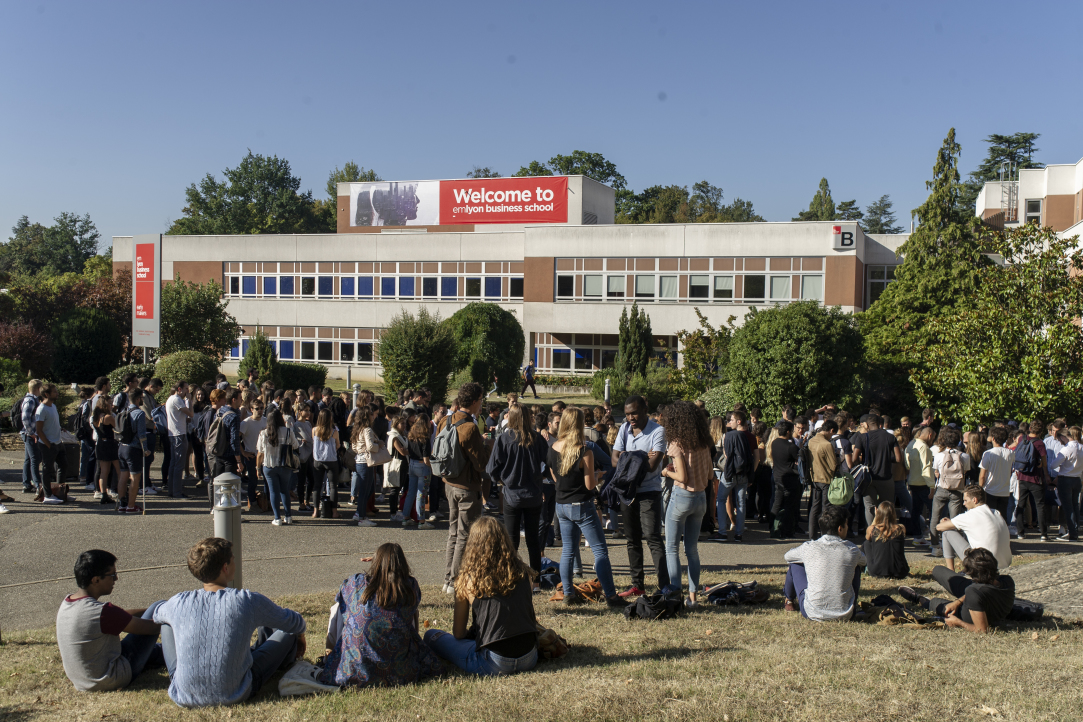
x,y
16,712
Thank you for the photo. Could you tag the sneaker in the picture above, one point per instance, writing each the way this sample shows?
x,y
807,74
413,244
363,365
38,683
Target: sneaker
x,y
1012,531
408,523
51,500
379,498
357,516
789,606
397,516
425,525
573,599
4,509
288,520
366,522
909,594
1043,537
151,491
130,509
718,537
276,522
105,499
90,487
28,489
937,553
736,537
1065,537
616,602
97,495
522,533
919,542
189,477
449,588
632,591
689,604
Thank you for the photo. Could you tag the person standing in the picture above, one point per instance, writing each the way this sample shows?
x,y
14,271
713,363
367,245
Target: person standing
x,y
995,475
325,445
920,478
251,428
879,451
419,446
528,379
271,450
31,453
643,517
177,416
1032,469
786,506
1069,485
363,441
47,423
824,463
950,466
155,435
741,461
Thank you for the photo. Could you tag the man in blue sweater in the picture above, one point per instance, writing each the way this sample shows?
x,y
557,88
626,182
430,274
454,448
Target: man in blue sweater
x,y
206,641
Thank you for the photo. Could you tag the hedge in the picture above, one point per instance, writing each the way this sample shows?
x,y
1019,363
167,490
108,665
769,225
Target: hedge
x,y
302,376
190,366
86,344
116,376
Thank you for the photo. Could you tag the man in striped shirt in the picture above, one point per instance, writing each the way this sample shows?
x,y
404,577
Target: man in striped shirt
x,y
32,457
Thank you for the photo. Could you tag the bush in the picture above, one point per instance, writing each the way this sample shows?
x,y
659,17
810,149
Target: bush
x,y
417,351
261,356
31,348
718,400
12,378
86,344
191,366
116,376
489,341
617,391
657,387
551,380
302,376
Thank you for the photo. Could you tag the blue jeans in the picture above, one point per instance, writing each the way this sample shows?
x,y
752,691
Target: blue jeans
x,y
727,487
178,452
361,488
142,650
278,483
583,517
273,649
796,585
465,655
416,491
684,515
31,463
87,459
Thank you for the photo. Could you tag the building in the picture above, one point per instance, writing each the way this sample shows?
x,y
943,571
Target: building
x,y
1050,196
566,271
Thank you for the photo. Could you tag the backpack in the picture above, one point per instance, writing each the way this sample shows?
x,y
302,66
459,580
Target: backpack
x,y
125,426
82,422
662,604
218,438
17,413
840,491
1027,458
120,402
161,422
1026,611
951,470
448,459
735,593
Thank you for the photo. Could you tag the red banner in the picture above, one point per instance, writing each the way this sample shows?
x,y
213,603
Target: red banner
x,y
504,200
144,281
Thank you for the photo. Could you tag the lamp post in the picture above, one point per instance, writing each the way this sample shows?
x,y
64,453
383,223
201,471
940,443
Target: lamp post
x,y
227,517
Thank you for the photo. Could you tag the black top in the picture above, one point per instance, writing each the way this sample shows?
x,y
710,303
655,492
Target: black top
x,y
105,431
739,449
887,557
519,468
995,601
419,450
571,489
843,446
506,625
878,448
784,458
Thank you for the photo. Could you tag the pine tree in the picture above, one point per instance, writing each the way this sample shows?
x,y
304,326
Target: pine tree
x,y
879,218
634,344
262,357
822,207
848,211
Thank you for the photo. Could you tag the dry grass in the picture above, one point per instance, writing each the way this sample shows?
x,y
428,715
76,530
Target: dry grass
x,y
751,663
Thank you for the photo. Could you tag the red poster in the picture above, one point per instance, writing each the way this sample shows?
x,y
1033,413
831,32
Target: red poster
x,y
504,200
144,281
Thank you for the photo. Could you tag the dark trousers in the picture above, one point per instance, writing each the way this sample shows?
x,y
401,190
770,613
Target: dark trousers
x,y
227,464
529,383
306,483
956,585
759,493
546,535
1068,491
817,505
436,493
87,462
1036,494
250,478
52,466
527,518
919,497
199,454
1000,504
643,522
148,461
786,506
163,444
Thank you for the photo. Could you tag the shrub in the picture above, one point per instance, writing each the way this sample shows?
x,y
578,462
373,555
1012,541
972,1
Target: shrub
x,y
417,351
488,340
116,376
552,380
657,387
718,400
261,356
31,348
12,378
86,344
617,391
301,376
191,366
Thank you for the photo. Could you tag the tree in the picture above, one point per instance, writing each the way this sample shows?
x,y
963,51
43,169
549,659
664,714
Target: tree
x,y
100,266
822,207
1014,350
63,247
489,341
479,172
801,353
706,355
326,210
634,344
417,351
879,218
706,200
31,347
938,277
262,357
260,195
1016,149
86,345
580,162
535,168
739,211
848,211
194,318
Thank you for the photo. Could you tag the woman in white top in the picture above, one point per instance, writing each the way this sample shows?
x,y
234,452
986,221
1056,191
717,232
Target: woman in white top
x,y
325,445
306,475
363,441
271,455
949,466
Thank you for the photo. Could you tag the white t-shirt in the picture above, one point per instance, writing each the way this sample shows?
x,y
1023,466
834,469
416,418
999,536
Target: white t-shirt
x,y
176,419
250,430
997,463
985,528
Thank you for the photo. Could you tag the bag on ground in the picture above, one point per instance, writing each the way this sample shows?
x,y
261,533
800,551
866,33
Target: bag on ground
x,y
303,678
657,606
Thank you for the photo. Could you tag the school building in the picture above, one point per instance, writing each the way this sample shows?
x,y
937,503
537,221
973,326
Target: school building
x,y
1050,196
545,249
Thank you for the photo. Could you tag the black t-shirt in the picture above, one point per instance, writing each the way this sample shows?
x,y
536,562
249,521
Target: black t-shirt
x,y
784,458
878,448
506,625
842,447
995,601
571,489
419,450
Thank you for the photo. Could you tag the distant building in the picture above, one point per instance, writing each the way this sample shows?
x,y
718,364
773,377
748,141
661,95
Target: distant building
x,y
1050,196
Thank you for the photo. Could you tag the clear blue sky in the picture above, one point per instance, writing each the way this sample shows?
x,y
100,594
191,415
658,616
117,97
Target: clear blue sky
x,y
112,109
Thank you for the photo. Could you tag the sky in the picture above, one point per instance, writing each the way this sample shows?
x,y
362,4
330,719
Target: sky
x,y
113,109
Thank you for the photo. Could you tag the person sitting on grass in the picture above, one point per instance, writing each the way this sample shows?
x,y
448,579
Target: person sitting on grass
x,y
885,544
494,584
824,576
209,630
373,639
88,630
982,602
978,526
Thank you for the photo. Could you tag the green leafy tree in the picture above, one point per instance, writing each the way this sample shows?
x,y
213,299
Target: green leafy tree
x,y
1016,149
100,266
482,172
1014,349
822,206
489,341
705,201
801,353
739,211
326,209
86,344
418,351
879,218
262,357
260,195
848,211
938,277
63,247
706,355
579,162
534,168
195,317
635,343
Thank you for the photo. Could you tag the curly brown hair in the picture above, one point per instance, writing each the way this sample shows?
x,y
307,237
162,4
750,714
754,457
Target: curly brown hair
x,y
685,423
491,567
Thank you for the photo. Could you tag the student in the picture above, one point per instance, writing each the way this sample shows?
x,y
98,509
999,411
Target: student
x,y
372,639
271,456
106,449
983,601
251,428
1069,484
786,506
995,476
950,466
133,449
493,586
397,444
363,441
306,475
528,379
88,630
150,388
206,642
31,452
879,451
885,544
741,462
325,445
47,428
690,445
979,526
178,416
1032,469
824,576
824,463
920,477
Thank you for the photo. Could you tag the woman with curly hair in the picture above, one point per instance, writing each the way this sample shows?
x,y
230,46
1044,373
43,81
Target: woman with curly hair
x,y
690,445
494,584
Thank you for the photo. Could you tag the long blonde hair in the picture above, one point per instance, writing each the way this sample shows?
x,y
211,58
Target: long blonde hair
x,y
570,433
491,567
886,523
518,424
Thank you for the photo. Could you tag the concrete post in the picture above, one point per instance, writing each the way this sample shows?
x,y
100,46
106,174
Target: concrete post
x,y
607,390
227,517
356,393
349,377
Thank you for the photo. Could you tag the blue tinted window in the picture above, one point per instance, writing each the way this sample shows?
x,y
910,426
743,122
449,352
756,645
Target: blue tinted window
x,y
562,358
449,286
492,288
346,285
387,286
364,285
274,346
406,287
286,350
248,285
235,352
327,286
244,347
286,286
269,283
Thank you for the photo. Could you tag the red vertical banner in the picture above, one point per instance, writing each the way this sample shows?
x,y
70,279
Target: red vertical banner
x,y
144,281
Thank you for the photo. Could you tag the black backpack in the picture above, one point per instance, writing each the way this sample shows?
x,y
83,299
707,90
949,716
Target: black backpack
x,y
125,426
660,605
17,414
82,422
1027,459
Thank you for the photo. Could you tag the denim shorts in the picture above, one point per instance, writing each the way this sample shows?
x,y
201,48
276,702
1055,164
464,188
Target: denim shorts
x,y
131,459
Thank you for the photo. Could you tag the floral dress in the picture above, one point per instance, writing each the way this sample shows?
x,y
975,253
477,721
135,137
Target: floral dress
x,y
377,647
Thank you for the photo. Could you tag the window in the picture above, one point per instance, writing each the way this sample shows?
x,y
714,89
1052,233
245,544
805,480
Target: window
x,y
667,287
754,286
387,286
473,288
345,352
515,287
346,286
285,350
565,286
308,285
1034,212
449,287
428,287
583,358
364,353
609,359
492,287
780,287
326,350
615,287
406,287
235,285
286,286
562,358
592,286
812,288
308,350
248,285
235,352
723,288
327,286
364,285
644,286
269,284
244,347
699,286
879,277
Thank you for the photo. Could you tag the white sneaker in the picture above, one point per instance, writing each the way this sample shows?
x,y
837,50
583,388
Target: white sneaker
x,y
151,491
277,522
288,520
356,516
4,509
433,517
522,533
51,500
366,522
425,525
449,588
397,516
937,552
90,487
97,496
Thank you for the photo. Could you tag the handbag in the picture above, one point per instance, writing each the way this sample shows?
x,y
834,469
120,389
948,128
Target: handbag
x,y
380,456
290,455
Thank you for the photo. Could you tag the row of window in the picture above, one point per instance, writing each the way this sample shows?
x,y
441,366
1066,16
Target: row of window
x,y
406,287
363,353
722,289
559,353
